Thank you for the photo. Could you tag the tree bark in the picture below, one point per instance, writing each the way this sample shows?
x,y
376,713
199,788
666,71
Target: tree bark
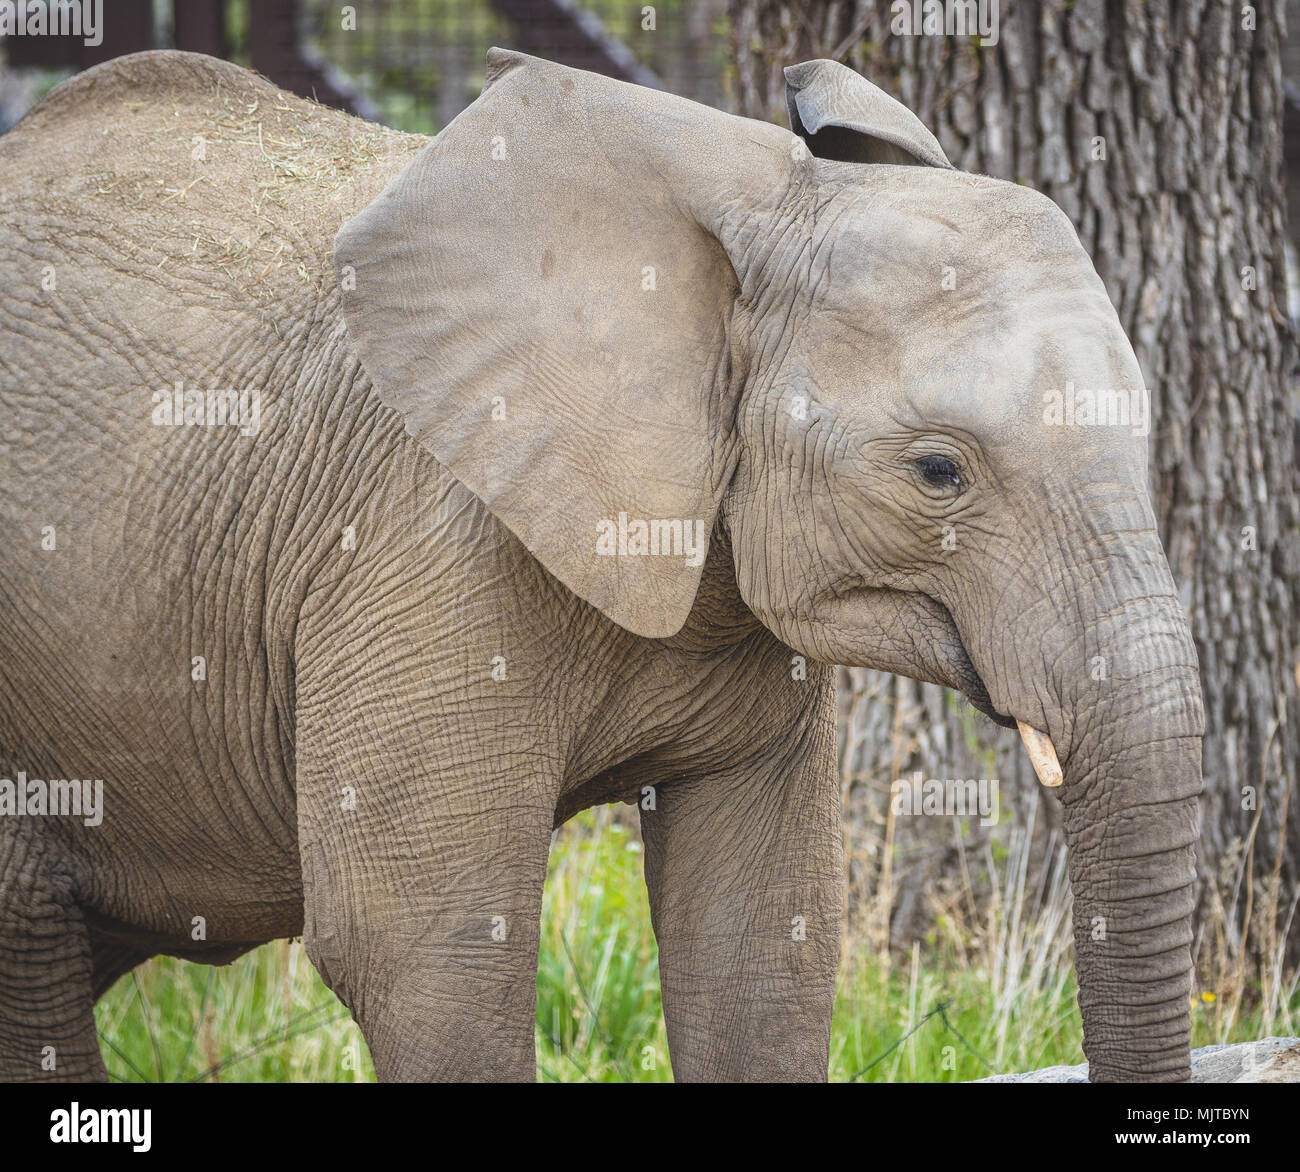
x,y
1157,127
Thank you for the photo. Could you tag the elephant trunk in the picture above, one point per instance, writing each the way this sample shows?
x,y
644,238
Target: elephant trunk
x,y
1132,776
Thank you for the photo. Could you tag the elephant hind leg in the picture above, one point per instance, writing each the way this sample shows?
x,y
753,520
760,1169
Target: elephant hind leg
x,y
47,1001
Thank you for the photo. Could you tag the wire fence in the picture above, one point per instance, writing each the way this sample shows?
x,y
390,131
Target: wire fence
x,y
420,62
413,64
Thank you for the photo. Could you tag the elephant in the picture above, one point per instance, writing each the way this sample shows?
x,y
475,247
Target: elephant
x,y
374,503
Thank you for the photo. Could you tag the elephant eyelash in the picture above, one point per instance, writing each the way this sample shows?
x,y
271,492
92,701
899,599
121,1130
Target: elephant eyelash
x,y
940,472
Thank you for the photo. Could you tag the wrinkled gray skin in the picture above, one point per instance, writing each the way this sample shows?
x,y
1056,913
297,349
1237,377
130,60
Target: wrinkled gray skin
x,y
422,497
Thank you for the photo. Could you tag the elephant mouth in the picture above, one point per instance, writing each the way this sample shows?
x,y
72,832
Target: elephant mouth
x,y
1042,753
905,631
978,695
968,680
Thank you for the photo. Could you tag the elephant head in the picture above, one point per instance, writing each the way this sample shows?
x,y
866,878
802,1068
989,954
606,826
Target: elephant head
x,y
621,319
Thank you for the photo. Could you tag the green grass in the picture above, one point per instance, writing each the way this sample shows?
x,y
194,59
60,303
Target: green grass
x,y
949,1012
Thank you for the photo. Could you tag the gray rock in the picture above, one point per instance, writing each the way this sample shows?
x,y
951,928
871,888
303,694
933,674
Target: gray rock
x,y
1269,1060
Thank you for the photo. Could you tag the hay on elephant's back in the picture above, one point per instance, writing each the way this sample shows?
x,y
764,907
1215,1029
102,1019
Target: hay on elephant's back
x,y
251,182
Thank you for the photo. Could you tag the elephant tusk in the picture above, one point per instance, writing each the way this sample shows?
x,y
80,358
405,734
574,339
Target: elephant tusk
x,y
1042,754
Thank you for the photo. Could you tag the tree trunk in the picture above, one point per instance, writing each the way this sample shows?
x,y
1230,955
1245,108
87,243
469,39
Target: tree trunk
x,y
1157,127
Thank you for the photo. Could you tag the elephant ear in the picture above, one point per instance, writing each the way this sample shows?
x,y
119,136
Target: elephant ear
x,y
542,297
841,115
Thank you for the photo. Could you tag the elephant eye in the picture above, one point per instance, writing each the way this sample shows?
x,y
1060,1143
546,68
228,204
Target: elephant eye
x,y
940,472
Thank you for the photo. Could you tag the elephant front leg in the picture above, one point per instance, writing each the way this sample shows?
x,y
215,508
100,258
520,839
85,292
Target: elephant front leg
x,y
746,883
429,934
422,879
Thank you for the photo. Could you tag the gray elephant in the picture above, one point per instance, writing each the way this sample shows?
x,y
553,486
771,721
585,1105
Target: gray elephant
x,y
372,504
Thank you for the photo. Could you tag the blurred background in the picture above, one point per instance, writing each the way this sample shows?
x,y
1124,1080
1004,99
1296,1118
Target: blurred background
x,y
1170,133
